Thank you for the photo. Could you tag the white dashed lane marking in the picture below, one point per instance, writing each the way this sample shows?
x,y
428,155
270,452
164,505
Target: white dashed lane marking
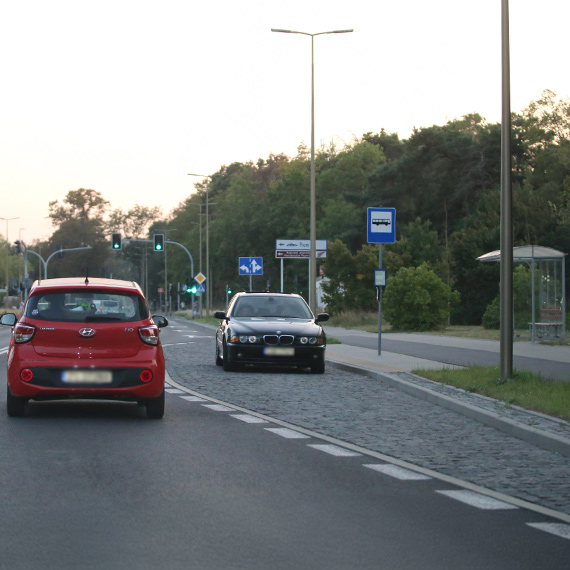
x,y
288,433
398,472
335,450
477,500
468,497
218,408
559,529
249,419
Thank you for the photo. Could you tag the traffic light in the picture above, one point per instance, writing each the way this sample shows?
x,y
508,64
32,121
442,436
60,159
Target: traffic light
x,y
116,241
18,245
192,288
158,242
228,290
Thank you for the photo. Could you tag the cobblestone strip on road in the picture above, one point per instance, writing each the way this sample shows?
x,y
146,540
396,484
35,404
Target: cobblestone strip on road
x,y
375,415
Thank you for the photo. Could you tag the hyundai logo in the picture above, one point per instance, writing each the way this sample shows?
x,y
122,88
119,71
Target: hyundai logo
x,y
86,332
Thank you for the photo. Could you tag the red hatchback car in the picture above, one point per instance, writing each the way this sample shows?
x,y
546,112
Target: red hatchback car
x,y
85,338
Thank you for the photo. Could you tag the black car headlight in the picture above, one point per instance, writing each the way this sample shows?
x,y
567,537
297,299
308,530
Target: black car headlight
x,y
311,340
245,339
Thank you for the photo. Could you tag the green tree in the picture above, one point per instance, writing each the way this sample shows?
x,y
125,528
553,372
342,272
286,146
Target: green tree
x,y
350,278
522,302
417,299
340,271
441,173
135,222
82,204
418,244
80,221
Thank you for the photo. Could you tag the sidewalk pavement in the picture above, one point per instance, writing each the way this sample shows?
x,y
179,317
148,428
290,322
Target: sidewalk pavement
x,y
522,348
395,369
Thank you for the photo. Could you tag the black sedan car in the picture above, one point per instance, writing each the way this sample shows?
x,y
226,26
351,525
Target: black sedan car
x,y
265,329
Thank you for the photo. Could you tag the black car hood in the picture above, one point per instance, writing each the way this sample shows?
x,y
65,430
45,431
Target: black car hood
x,y
267,325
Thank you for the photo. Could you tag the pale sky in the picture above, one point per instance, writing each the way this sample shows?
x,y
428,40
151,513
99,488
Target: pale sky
x,y
126,97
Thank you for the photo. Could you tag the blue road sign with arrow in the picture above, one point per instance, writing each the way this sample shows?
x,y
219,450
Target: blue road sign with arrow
x,y
251,265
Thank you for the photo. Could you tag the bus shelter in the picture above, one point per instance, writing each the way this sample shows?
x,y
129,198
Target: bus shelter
x,y
548,285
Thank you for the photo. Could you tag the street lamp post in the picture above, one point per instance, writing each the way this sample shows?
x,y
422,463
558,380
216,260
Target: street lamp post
x,y
506,285
313,215
208,280
8,252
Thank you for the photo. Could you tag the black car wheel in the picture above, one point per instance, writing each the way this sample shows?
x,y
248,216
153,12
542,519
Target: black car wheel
x,y
155,407
219,360
15,405
229,366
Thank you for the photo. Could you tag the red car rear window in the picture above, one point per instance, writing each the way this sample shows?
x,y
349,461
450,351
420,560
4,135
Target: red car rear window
x,y
85,306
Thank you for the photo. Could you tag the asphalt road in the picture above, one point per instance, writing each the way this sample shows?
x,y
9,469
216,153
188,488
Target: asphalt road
x,y
97,485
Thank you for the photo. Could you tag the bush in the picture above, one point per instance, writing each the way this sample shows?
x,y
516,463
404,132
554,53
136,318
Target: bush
x,y
417,299
522,302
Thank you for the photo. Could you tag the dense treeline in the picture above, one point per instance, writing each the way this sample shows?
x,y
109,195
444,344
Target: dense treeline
x,y
444,182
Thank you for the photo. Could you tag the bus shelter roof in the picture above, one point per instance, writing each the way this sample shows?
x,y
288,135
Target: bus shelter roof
x,y
525,253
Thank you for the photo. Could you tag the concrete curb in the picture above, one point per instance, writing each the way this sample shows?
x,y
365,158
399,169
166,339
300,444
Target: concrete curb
x,y
539,438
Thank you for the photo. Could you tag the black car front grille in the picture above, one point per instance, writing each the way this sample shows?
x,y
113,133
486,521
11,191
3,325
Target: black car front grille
x,y
276,339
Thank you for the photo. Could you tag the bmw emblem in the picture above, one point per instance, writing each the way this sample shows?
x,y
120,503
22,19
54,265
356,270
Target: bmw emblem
x,y
86,332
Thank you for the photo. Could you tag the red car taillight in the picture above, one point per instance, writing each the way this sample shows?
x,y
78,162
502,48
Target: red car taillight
x,y
26,375
23,333
146,375
149,334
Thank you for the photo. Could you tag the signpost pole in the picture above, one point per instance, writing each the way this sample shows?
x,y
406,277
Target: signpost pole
x,y
381,228
380,304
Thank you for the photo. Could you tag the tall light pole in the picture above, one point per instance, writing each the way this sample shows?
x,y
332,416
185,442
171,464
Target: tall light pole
x,y
208,280
506,286
313,216
8,252
200,265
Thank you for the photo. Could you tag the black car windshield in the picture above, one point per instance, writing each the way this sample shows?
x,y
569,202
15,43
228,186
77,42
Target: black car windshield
x,y
86,306
272,307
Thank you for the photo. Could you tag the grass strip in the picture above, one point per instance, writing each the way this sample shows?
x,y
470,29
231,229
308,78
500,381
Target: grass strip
x,y
526,389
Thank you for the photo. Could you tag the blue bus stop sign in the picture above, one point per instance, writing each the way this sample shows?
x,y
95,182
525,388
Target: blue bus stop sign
x,y
381,225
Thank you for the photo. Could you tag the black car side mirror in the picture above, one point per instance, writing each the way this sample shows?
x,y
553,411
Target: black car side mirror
x,y
221,315
9,319
322,317
160,321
